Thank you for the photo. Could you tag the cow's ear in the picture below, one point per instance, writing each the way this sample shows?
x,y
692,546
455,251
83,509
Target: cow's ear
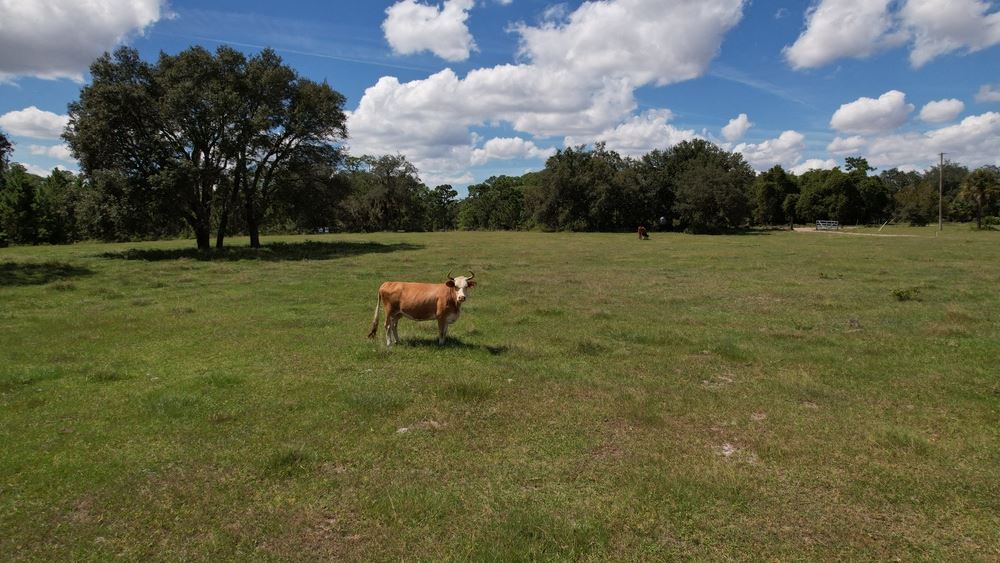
x,y
450,283
471,284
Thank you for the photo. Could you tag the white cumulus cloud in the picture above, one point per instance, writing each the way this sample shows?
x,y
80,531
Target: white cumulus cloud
x,y
60,38
842,28
988,93
581,45
846,145
868,115
411,27
508,148
43,171
785,150
943,26
571,81
33,122
972,142
639,134
60,152
813,164
859,28
737,127
941,110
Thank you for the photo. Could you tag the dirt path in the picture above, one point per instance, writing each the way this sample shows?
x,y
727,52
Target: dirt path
x,y
847,232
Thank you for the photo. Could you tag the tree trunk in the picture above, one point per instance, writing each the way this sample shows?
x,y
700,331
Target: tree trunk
x,y
232,201
203,235
201,223
221,235
252,226
227,206
254,232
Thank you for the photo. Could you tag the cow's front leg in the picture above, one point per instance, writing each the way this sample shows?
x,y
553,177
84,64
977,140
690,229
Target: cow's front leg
x,y
442,329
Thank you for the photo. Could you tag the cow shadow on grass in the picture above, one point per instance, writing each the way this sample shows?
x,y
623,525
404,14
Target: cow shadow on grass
x,y
272,252
38,273
452,343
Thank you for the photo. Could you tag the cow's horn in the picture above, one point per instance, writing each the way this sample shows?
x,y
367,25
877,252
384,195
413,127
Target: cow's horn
x,y
472,276
449,275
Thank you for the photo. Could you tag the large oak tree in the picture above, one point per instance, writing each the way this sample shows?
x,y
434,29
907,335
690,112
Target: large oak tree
x,y
197,131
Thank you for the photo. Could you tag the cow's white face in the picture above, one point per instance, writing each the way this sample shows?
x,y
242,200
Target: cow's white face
x,y
461,284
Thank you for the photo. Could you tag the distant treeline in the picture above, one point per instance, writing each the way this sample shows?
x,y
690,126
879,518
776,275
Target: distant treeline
x,y
200,143
694,186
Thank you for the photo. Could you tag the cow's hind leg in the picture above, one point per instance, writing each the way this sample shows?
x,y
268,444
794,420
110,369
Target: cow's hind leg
x,y
395,327
390,316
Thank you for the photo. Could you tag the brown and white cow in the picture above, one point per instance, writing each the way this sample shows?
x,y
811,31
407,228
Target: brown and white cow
x,y
421,302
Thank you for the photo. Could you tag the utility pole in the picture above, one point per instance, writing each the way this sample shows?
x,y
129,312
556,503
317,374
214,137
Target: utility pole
x,y
941,194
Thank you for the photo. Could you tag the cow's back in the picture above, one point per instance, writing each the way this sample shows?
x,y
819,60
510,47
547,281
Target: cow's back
x,y
419,301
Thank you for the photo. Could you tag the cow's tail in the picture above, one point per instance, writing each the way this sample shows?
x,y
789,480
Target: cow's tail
x,y
378,306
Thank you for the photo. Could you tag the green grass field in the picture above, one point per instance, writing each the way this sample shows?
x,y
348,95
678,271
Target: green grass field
x,y
774,395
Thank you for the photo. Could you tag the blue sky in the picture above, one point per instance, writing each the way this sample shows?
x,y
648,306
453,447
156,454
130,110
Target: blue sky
x,y
472,88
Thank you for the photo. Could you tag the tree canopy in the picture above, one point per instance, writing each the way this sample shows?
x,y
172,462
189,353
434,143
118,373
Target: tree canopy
x,y
6,148
195,131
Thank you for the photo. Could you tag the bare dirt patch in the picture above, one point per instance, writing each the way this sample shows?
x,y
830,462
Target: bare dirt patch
x,y
422,425
717,382
843,232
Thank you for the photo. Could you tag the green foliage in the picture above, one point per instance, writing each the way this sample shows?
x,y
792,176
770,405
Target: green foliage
x,y
830,195
953,179
55,207
18,217
697,184
196,130
39,210
6,149
876,200
565,194
655,173
770,192
496,204
896,180
857,165
712,187
113,207
386,194
981,188
917,204
442,208
790,206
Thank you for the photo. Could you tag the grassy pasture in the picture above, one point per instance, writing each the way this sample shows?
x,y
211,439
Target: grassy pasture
x,y
764,396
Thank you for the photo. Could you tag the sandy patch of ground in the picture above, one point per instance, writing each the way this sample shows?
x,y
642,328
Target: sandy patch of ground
x,y
846,231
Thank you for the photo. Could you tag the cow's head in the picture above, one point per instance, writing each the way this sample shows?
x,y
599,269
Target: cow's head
x,y
460,285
